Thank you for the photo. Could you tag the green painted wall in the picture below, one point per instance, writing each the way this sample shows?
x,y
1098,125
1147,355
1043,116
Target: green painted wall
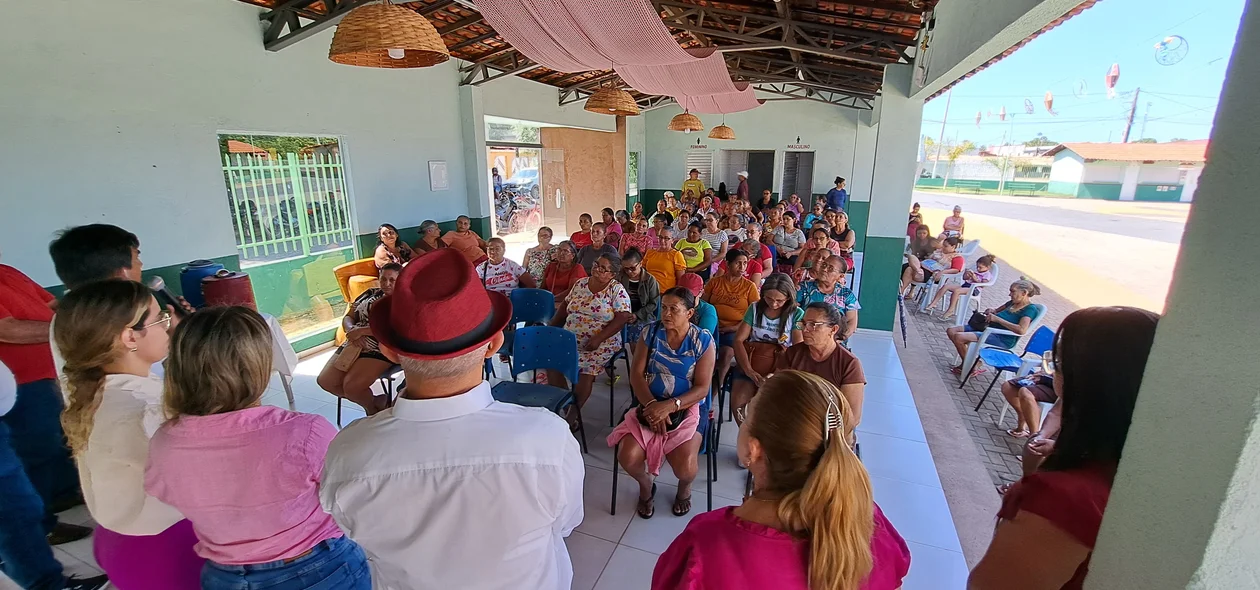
x,y
881,277
1064,188
1151,192
367,242
1098,190
1040,186
859,214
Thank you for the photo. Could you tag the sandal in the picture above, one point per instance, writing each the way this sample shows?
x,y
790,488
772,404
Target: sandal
x,y
1021,433
682,506
645,508
1002,489
956,370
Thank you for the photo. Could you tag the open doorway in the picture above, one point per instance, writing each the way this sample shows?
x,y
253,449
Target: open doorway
x,y
798,175
760,173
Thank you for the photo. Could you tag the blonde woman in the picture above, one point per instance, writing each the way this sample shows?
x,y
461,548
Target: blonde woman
x,y
246,475
110,334
811,522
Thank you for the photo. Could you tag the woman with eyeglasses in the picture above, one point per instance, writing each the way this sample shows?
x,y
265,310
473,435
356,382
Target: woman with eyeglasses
x,y
390,249
110,334
352,378
595,310
811,522
644,291
563,272
820,354
430,237
1015,315
1049,520
670,377
828,287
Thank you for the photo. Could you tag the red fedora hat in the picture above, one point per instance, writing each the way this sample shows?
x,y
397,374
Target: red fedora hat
x,y
439,309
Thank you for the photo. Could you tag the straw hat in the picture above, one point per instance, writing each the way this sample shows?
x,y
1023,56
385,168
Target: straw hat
x,y
387,36
612,101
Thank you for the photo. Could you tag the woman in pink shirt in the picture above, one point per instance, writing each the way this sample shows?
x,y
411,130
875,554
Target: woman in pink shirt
x,y
811,522
246,475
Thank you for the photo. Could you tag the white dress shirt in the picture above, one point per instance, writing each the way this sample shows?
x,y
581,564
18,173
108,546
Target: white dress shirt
x,y
111,469
459,492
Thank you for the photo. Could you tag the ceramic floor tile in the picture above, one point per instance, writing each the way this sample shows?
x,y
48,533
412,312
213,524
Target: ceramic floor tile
x,y
74,566
899,459
655,534
628,569
597,521
891,420
81,550
920,513
589,556
879,365
935,569
78,515
888,390
730,478
865,344
8,584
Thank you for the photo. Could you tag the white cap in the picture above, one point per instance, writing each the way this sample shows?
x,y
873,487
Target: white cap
x,y
669,193
744,174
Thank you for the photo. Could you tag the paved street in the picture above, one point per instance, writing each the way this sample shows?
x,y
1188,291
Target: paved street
x,y
1091,252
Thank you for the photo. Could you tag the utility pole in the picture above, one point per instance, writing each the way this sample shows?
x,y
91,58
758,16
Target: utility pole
x,y
1132,111
941,138
1145,116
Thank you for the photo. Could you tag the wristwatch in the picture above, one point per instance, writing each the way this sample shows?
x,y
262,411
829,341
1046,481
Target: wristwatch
x,y
677,404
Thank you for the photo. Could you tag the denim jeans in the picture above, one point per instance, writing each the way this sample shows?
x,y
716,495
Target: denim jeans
x,y
40,443
24,552
335,564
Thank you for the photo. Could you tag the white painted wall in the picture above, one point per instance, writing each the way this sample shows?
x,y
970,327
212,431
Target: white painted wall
x,y
968,34
829,130
1067,167
1104,172
1192,184
1160,173
517,98
111,111
1128,188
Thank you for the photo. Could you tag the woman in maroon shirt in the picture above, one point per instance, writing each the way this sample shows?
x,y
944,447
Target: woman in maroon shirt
x,y
1049,520
562,272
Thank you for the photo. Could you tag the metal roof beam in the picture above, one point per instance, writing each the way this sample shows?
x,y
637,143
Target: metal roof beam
x,y
274,38
766,21
797,92
472,41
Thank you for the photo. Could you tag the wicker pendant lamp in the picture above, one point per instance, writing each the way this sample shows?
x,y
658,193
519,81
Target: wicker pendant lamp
x,y
612,101
685,122
722,131
387,36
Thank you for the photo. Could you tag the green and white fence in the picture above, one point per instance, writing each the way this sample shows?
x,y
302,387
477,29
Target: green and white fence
x,y
287,206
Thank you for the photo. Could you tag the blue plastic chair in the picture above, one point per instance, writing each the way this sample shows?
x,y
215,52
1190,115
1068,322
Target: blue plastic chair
x,y
708,447
532,307
622,353
1001,360
543,347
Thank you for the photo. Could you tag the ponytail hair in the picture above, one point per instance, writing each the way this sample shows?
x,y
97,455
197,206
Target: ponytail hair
x,y
90,320
825,491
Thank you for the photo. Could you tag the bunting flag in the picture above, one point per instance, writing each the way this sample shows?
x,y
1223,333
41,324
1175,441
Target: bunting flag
x,y
1113,76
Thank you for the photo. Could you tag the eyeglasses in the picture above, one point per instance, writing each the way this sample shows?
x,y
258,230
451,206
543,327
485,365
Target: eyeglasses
x,y
164,318
1049,363
814,325
601,269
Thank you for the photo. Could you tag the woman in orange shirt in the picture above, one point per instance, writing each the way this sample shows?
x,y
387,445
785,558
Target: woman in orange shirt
x,y
731,294
663,262
466,241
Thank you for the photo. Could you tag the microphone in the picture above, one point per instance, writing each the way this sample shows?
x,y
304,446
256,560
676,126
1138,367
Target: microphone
x,y
165,296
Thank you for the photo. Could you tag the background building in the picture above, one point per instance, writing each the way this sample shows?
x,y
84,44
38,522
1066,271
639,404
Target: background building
x,y
1128,171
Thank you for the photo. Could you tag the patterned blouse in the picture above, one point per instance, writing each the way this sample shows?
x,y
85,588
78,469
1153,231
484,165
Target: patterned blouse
x,y
359,310
536,261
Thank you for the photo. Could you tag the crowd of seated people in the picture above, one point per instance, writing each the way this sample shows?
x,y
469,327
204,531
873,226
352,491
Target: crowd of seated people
x,y
169,467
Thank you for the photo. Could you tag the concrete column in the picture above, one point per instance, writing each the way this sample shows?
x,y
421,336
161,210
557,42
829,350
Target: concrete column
x,y
862,179
1192,184
473,124
1128,189
892,185
1185,508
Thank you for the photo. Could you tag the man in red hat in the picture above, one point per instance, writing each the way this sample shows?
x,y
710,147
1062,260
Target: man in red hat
x,y
450,488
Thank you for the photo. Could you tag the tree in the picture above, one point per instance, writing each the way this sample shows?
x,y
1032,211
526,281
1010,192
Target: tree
x,y
1177,139
1145,140
953,152
1040,141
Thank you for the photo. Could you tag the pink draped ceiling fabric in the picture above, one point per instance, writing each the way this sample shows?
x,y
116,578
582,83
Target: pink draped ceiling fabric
x,y
581,35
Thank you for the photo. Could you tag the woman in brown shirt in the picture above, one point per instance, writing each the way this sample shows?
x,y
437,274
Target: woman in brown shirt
x,y
820,354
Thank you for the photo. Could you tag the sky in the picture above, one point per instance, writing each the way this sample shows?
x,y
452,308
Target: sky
x,y
1078,54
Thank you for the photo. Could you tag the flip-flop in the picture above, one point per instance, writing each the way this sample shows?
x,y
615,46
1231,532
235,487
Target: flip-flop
x,y
646,509
682,506
1019,433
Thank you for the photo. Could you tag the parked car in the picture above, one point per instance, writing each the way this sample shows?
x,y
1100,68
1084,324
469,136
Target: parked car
x,y
525,179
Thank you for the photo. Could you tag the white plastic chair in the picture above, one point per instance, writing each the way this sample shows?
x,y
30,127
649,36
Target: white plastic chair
x,y
973,349
929,290
969,247
1006,407
283,358
963,311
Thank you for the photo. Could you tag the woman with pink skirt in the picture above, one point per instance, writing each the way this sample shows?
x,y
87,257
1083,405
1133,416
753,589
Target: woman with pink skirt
x,y
670,379
110,334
